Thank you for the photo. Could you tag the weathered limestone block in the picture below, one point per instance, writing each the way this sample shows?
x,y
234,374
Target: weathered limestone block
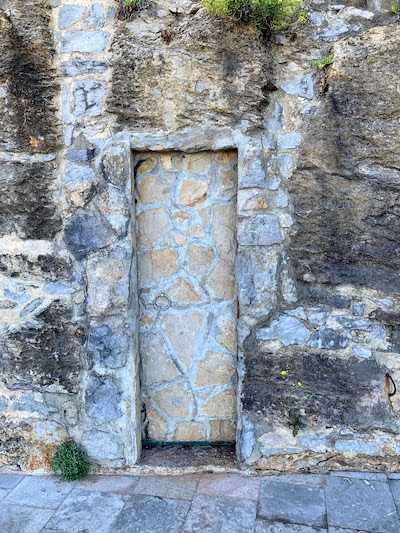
x,y
27,202
44,352
227,66
27,113
346,189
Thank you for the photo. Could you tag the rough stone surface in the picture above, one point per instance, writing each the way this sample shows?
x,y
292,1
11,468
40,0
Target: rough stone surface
x,y
103,399
363,505
152,514
298,504
356,153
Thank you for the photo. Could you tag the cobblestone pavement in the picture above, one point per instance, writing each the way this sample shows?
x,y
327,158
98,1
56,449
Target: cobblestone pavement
x,y
336,503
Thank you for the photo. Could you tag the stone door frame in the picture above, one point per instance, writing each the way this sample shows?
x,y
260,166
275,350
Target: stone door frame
x,y
115,162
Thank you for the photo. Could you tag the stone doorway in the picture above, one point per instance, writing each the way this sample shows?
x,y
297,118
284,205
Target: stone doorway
x,y
186,250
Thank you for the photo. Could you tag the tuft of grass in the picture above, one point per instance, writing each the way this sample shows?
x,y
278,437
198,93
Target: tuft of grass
x,y
263,14
70,461
323,61
395,8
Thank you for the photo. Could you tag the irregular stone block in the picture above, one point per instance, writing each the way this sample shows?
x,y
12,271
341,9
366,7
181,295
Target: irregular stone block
x,y
103,399
216,368
43,354
93,42
176,400
102,445
259,230
107,347
329,339
87,232
302,86
221,405
69,14
287,329
95,17
88,95
288,141
76,66
357,446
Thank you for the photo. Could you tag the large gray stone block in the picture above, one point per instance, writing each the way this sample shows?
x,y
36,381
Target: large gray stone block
x,y
69,14
296,503
87,232
103,399
149,514
359,504
88,95
259,230
84,41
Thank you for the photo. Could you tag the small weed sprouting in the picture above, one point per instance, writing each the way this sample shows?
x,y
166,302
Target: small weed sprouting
x,y
70,461
296,421
265,15
127,8
323,61
395,9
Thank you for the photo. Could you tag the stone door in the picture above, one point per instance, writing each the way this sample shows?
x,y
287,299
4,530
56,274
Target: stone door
x,y
186,239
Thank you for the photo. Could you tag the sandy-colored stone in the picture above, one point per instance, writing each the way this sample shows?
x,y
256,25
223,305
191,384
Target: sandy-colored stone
x,y
227,329
153,225
152,189
224,225
182,330
205,218
180,217
180,240
145,268
199,162
183,292
166,161
223,430
222,281
215,369
175,400
228,182
189,432
220,405
164,263
146,166
195,231
157,427
157,365
226,157
199,259
193,192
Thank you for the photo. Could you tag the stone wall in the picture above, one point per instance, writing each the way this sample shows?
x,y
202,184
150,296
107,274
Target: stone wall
x,y
316,265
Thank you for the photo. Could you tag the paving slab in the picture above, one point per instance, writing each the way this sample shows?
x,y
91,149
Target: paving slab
x,y
150,514
361,504
210,514
293,502
229,485
43,492
117,484
265,526
89,512
175,487
3,493
312,480
395,488
20,519
370,476
341,530
9,481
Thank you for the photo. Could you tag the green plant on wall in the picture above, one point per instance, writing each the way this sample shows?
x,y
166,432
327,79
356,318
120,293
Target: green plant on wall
x,y
264,14
70,461
294,401
127,7
323,61
395,8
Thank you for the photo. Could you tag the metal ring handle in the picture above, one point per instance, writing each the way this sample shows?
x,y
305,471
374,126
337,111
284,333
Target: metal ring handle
x,y
162,307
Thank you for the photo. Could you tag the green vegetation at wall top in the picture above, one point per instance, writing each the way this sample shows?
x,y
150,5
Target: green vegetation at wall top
x,y
264,14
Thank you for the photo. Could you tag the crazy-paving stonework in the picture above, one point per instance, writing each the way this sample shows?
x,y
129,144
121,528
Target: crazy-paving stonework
x,y
186,248
316,221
